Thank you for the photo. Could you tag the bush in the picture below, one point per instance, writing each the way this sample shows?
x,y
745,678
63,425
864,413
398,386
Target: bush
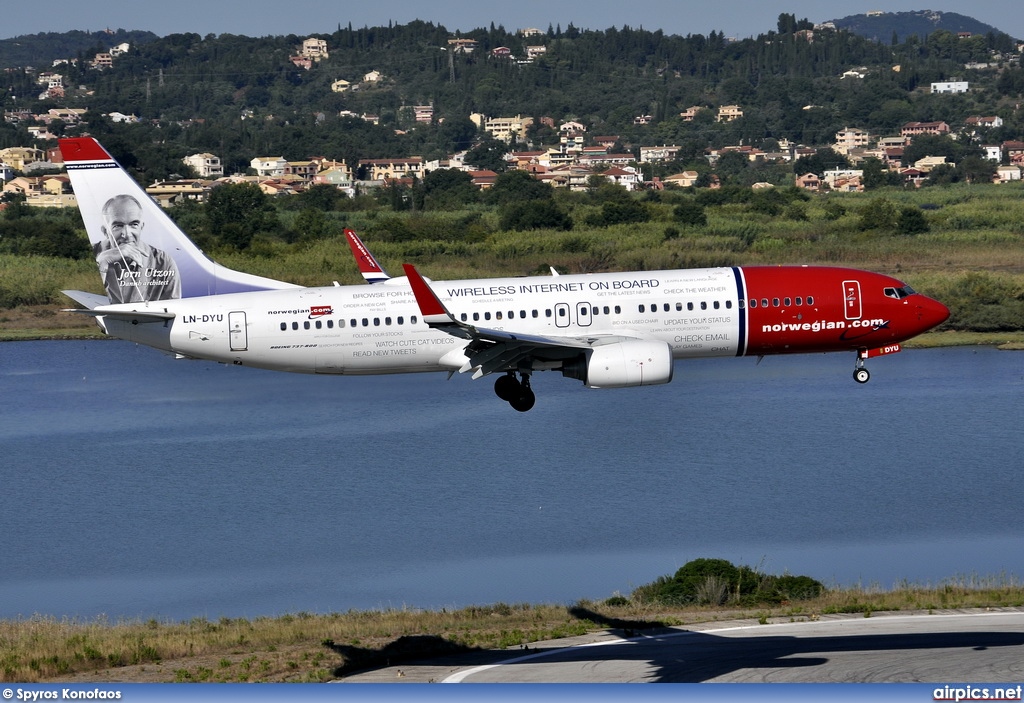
x,y
717,581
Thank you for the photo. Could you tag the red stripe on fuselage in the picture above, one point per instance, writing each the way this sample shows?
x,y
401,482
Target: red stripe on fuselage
x,y
794,309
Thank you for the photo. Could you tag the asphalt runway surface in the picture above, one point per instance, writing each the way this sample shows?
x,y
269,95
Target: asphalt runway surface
x,y
984,645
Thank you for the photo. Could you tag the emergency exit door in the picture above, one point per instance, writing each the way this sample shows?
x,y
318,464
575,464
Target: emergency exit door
x,y
239,338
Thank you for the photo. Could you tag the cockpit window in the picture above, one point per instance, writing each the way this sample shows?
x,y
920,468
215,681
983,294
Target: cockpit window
x,y
898,293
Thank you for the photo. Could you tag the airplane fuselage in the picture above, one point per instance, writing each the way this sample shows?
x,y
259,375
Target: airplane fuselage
x,y
364,329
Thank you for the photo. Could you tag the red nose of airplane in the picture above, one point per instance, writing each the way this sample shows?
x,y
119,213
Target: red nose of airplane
x,y
931,313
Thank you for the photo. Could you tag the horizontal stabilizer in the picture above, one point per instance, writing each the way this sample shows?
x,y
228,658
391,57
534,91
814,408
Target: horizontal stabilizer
x,y
89,300
134,316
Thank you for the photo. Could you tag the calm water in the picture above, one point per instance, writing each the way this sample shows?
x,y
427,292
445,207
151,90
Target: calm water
x,y
135,485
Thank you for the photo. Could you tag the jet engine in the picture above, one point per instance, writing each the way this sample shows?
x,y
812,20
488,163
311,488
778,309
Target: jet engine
x,y
634,362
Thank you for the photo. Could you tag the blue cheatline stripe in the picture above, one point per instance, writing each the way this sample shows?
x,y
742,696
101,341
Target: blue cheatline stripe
x,y
741,294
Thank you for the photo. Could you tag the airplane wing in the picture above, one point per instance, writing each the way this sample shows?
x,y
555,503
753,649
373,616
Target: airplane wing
x,y
491,350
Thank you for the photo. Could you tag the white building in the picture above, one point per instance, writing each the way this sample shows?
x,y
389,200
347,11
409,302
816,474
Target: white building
x,y
950,87
206,165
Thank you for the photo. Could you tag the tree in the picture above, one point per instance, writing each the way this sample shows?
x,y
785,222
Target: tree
x,y
489,155
878,214
534,214
516,186
691,213
235,212
911,221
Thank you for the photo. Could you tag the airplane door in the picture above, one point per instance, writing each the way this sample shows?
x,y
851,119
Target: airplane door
x,y
239,338
561,315
851,296
583,314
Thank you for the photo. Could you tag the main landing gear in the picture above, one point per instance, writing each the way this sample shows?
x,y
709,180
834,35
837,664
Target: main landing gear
x,y
860,374
515,392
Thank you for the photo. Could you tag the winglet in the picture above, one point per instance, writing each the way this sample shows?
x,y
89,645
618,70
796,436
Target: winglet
x,y
368,266
433,310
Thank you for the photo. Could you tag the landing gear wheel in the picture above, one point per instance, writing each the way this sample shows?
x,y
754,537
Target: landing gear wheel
x,y
524,398
524,401
507,387
861,375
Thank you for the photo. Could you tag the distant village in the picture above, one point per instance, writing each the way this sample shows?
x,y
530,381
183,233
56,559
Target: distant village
x,y
571,163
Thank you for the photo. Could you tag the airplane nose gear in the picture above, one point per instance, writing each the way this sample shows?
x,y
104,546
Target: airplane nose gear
x,y
860,374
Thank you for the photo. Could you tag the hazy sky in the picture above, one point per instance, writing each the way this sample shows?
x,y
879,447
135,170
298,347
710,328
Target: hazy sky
x,y
737,18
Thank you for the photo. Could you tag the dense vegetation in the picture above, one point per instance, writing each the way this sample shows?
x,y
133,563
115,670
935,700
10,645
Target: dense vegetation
x,y
241,97
718,582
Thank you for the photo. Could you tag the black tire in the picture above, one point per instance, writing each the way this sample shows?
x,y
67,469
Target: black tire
x,y
861,375
507,387
524,401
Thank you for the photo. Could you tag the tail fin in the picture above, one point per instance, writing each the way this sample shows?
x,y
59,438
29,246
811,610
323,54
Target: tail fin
x,y
142,255
368,266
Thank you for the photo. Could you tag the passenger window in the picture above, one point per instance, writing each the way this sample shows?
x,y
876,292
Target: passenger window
x,y
561,312
535,313
787,302
753,303
583,311
642,308
341,323
703,305
742,302
679,307
716,304
775,302
618,310
810,300
764,302
464,317
376,322
728,304
487,316
305,325
689,306
522,314
412,320
476,317
319,324
607,310
547,312
330,324
401,320
799,300
498,315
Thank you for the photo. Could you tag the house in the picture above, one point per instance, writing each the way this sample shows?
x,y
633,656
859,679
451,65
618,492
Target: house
x,y
18,157
643,119
205,164
508,129
928,163
572,127
103,60
629,178
303,170
268,166
388,169
340,86
170,193
313,48
993,152
535,52
303,62
728,113
462,46
976,121
501,52
483,179
1005,174
808,181
372,77
120,50
423,113
607,141
689,113
686,179
1013,150
653,154
950,87
912,129
851,138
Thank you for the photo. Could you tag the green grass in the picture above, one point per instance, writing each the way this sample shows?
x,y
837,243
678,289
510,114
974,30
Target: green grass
x,y
311,647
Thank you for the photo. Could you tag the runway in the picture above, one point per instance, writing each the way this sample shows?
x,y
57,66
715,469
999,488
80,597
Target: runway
x,y
968,646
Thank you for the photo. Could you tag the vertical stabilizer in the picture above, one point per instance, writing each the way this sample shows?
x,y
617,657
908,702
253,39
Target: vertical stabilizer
x,y
141,253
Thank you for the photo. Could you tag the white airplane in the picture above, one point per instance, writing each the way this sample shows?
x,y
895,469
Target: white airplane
x,y
608,330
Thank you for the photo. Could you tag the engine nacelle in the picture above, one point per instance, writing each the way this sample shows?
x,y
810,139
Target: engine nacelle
x,y
634,362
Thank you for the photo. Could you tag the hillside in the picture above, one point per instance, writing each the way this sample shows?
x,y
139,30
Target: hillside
x,y
882,27
43,49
